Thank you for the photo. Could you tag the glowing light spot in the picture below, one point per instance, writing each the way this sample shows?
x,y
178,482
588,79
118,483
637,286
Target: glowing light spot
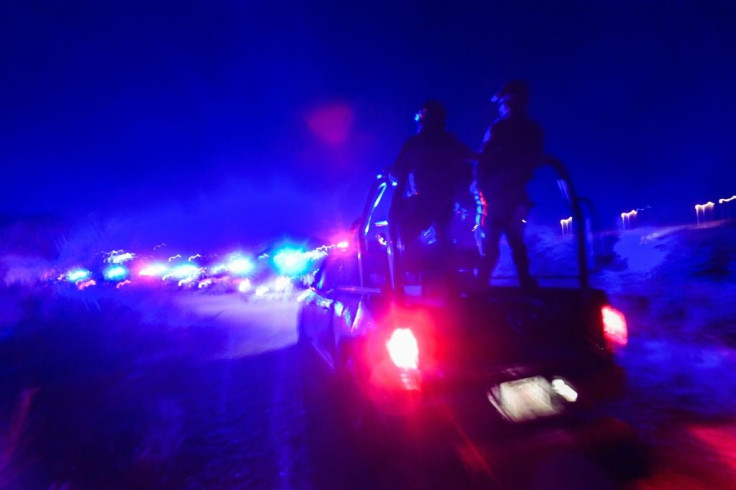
x,y
184,272
614,326
281,283
116,273
403,349
261,290
177,256
119,257
244,286
317,253
332,124
524,399
85,284
628,217
75,275
723,201
562,388
153,270
290,262
343,245
703,210
204,283
193,257
240,266
218,269
566,225
123,283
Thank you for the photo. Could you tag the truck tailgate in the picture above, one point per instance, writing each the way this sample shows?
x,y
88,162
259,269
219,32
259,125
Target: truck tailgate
x,y
506,327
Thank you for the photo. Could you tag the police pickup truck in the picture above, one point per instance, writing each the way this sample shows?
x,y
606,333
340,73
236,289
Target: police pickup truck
x,y
495,360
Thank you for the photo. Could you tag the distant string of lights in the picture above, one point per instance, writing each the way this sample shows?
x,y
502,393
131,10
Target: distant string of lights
x,y
703,213
123,268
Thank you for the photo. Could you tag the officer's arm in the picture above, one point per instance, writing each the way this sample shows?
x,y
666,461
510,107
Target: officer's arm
x,y
401,165
400,169
493,141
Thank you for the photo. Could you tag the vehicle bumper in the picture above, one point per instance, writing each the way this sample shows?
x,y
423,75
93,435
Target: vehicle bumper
x,y
468,398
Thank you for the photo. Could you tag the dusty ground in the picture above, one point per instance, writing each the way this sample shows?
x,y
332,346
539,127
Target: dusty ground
x,y
141,388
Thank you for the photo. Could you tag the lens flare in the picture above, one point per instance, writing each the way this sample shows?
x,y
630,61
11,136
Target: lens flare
x,y
116,273
566,225
281,283
75,275
615,328
244,286
120,257
81,285
183,271
153,270
240,266
403,349
291,262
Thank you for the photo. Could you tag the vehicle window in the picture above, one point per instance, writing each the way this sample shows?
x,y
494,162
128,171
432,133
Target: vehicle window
x,y
324,279
338,270
350,273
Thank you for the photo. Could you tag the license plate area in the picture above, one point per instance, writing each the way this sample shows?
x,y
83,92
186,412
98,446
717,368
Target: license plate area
x,y
525,399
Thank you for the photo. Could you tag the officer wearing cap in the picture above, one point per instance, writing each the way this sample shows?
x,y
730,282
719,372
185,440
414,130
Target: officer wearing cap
x,y
432,167
512,150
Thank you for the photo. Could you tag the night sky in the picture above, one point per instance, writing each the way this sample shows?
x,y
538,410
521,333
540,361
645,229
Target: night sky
x,y
243,120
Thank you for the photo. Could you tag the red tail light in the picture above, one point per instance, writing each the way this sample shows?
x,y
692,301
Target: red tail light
x,y
614,327
403,348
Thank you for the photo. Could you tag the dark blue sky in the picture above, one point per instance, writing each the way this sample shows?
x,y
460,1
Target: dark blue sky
x,y
273,116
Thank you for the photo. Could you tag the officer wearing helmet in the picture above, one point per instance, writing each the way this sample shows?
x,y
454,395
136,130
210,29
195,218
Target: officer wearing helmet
x,y
512,150
432,167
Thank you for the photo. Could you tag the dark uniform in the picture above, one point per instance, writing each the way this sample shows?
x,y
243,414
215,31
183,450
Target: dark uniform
x,y
511,153
432,168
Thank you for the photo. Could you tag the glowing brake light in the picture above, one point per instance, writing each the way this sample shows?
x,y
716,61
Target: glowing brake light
x,y
614,327
403,349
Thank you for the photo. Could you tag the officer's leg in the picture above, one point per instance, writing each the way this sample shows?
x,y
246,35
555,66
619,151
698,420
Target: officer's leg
x,y
397,218
515,237
445,243
491,250
443,230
